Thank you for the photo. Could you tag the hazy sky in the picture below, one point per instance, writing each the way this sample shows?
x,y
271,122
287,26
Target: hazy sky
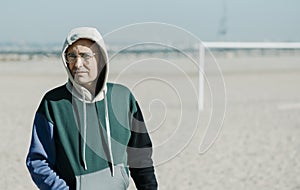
x,y
246,20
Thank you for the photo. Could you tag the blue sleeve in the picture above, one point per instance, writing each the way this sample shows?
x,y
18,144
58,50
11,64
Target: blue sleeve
x,y
41,157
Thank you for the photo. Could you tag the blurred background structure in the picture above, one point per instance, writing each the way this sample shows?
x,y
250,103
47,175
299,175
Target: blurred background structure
x,y
255,44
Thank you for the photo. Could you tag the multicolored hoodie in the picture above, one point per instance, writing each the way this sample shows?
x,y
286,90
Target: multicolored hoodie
x,y
80,141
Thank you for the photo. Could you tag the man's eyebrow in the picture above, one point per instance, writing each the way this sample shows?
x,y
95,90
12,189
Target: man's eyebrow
x,y
72,52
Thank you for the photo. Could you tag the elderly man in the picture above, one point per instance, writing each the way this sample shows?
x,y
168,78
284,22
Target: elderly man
x,y
88,133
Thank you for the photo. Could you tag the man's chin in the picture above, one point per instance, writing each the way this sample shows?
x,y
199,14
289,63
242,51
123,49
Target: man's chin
x,y
80,81
84,83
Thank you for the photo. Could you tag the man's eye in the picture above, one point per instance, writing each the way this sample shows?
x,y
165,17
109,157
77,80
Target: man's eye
x,y
86,56
72,56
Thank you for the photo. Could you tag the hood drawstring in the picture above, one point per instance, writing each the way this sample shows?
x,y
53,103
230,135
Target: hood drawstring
x,y
84,131
108,134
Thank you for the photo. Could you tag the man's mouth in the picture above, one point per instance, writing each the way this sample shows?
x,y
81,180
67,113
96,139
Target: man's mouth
x,y
80,72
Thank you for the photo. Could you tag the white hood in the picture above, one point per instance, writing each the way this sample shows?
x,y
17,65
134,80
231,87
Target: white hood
x,y
91,34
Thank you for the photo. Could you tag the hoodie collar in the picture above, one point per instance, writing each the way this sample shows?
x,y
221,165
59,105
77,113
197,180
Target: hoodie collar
x,y
80,92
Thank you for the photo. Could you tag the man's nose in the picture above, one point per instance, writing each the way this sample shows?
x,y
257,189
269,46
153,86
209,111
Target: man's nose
x,y
78,62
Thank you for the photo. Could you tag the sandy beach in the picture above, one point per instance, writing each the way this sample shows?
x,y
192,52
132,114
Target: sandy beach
x,y
258,146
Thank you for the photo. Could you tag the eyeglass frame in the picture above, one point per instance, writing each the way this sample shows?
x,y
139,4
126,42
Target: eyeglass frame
x,y
81,56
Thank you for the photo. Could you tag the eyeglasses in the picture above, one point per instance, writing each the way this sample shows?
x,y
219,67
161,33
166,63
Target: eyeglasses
x,y
71,58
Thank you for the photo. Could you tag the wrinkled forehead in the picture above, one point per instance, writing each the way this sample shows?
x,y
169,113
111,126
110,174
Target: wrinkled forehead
x,y
83,45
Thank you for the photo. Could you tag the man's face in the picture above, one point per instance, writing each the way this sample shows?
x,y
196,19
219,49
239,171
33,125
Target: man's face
x,y
82,59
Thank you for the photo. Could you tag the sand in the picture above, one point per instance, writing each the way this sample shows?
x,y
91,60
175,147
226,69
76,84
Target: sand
x,y
258,146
